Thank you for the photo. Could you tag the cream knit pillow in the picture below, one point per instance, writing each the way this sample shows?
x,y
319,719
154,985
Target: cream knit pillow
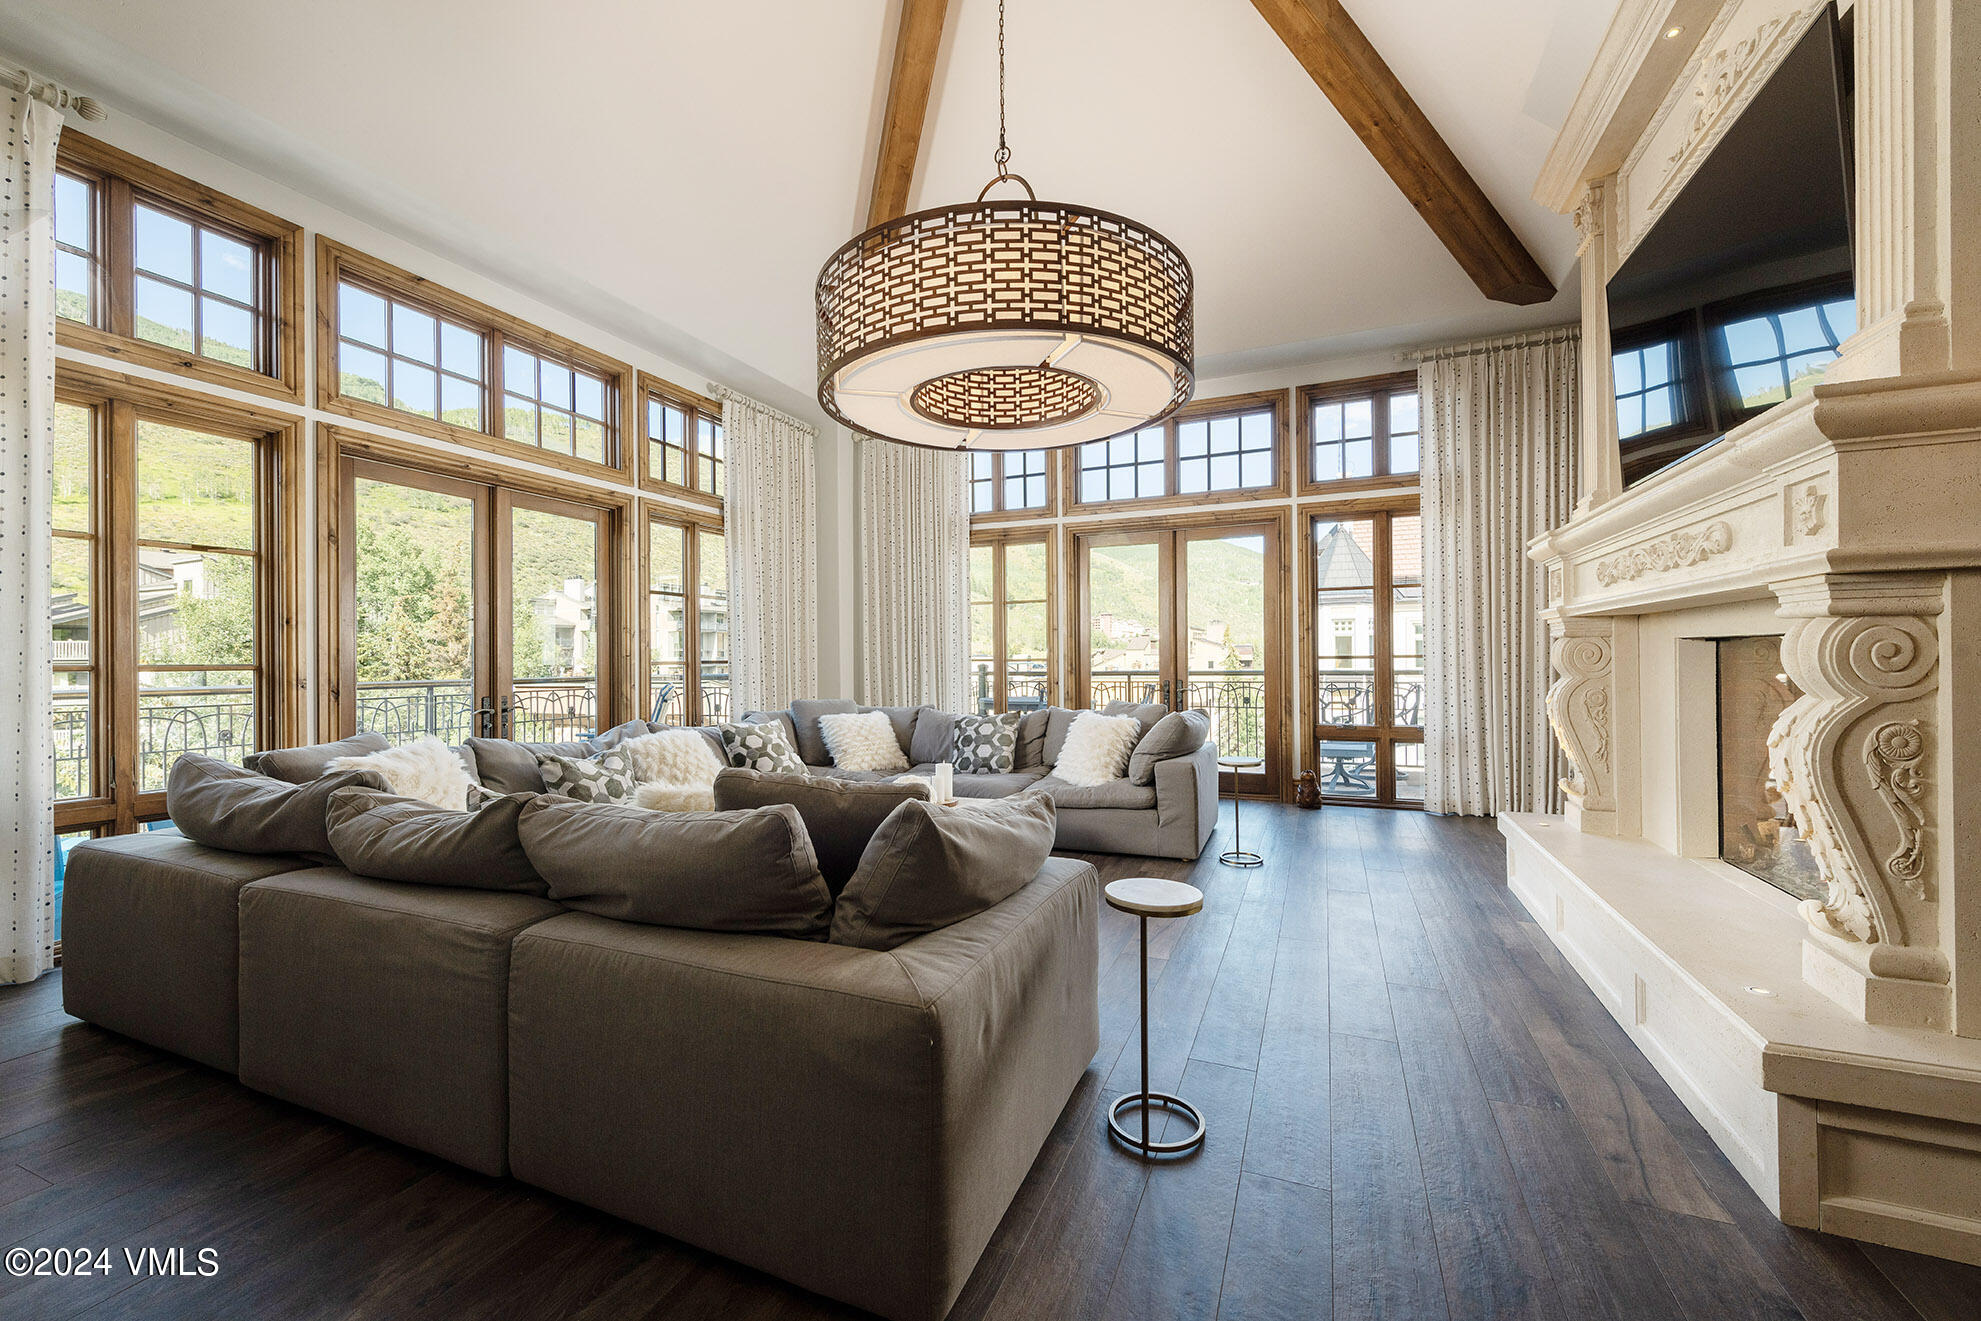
x,y
862,741
1097,748
426,769
674,756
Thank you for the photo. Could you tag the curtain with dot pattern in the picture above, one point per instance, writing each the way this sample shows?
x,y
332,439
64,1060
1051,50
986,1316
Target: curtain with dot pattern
x,y
770,522
915,575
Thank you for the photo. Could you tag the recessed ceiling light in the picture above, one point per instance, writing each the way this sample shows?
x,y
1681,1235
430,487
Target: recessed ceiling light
x,y
1759,990
1672,31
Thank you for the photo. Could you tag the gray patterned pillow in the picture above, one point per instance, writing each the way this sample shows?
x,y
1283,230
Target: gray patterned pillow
x,y
761,747
606,778
986,745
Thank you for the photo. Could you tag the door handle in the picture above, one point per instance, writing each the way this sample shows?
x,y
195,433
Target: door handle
x,y
484,715
506,716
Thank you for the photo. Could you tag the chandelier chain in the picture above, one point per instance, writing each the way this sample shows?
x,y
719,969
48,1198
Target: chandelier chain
x,y
1003,153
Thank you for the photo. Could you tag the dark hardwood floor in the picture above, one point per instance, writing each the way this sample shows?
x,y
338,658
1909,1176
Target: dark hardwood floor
x,y
1416,1111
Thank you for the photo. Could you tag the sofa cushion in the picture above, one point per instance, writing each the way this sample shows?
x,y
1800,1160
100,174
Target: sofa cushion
x,y
1032,728
301,765
225,806
930,866
1108,793
986,745
761,745
709,871
604,778
1097,748
935,735
862,741
1177,734
621,733
391,838
839,815
805,713
426,768
996,786
1146,713
150,939
505,766
385,1005
1059,722
902,720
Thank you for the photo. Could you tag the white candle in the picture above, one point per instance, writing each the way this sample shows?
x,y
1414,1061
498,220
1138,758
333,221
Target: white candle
x,y
945,782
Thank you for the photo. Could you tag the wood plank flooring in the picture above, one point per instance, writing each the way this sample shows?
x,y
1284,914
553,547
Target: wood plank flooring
x,y
1416,1111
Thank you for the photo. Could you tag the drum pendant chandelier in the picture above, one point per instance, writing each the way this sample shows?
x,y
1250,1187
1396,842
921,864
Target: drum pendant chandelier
x,y
1005,325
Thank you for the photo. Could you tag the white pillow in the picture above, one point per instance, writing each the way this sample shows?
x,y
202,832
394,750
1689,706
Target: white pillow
x,y
673,756
1097,748
426,769
673,796
862,741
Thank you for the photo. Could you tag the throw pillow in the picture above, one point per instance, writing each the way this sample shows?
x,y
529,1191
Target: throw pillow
x,y
930,866
805,713
1097,748
426,769
986,745
506,767
301,765
403,839
1177,734
862,742
761,747
673,796
707,871
606,778
224,806
673,756
839,815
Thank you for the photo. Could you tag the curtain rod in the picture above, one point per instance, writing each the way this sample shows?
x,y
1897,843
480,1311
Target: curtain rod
x,y
1518,339
725,394
48,93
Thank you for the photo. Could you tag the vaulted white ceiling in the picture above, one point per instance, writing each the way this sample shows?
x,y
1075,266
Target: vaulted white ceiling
x,y
676,171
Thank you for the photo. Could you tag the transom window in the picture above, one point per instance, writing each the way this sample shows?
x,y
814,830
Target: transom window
x,y
1010,481
1368,431
685,448
1225,453
553,405
196,288
1130,467
399,356
1213,448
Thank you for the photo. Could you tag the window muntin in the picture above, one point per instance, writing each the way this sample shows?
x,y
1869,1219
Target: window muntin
x,y
1130,467
983,482
75,554
401,356
1366,432
1769,356
78,249
196,288
1366,607
1647,388
685,444
1010,624
555,406
1229,453
687,624
708,455
1009,481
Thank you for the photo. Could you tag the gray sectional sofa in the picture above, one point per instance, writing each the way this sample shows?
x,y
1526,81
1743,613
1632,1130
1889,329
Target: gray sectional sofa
x,y
855,1120
1165,807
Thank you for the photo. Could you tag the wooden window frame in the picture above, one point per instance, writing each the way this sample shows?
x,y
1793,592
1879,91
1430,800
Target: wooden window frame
x,y
696,406
1382,509
619,682
692,523
999,541
997,513
336,264
118,806
122,180
1379,390
1200,410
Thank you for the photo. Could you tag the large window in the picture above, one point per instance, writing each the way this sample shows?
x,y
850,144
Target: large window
x,y
1212,450
684,452
1017,483
1011,623
1366,651
155,269
1361,433
687,671
407,353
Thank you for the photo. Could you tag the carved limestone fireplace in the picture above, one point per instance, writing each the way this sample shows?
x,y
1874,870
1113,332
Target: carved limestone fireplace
x,y
1831,1042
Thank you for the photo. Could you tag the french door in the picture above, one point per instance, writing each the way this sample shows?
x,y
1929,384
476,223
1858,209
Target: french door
x,y
1191,617
468,608
1365,619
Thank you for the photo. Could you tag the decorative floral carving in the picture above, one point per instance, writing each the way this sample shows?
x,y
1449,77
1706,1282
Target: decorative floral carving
x,y
1578,712
1597,704
1806,505
1722,81
1674,550
1892,755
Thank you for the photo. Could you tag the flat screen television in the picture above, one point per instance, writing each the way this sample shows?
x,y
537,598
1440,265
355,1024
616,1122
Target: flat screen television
x,y
1740,293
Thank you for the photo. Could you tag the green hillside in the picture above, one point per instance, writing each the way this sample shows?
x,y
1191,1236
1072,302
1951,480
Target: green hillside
x,y
1225,581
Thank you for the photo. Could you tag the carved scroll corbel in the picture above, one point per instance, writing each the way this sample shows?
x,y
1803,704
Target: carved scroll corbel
x,y
1579,713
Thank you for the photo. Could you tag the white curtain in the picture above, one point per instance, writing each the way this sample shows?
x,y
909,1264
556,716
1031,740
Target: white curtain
x,y
770,520
27,448
1499,468
915,575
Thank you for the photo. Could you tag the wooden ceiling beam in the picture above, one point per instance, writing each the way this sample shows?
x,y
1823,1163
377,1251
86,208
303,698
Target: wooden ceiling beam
x,y
1354,77
916,42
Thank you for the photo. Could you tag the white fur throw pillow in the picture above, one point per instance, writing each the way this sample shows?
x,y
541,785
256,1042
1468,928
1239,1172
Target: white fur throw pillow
x,y
426,769
674,796
862,741
1097,748
673,756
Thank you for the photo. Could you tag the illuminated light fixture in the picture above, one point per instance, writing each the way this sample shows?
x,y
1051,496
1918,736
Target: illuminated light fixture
x,y
1005,325
1673,31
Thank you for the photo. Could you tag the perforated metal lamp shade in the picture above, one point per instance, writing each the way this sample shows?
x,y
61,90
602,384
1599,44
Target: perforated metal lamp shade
x,y
1005,325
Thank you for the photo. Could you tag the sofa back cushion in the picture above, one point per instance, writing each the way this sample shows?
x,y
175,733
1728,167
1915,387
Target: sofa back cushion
x,y
935,736
301,765
1032,727
751,871
1146,713
225,806
805,713
1177,734
1059,722
392,838
839,815
929,866
621,733
902,719
507,767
